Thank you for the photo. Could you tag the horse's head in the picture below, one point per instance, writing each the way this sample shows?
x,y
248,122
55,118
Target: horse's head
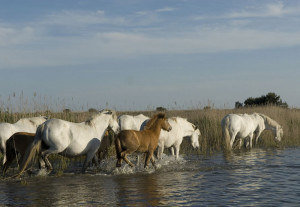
x,y
278,133
165,125
113,121
195,138
36,121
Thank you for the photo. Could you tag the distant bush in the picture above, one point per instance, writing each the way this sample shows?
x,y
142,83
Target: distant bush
x,y
67,111
160,108
238,105
207,107
264,100
92,110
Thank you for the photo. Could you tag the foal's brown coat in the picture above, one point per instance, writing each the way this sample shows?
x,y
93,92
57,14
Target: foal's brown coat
x,y
146,141
17,143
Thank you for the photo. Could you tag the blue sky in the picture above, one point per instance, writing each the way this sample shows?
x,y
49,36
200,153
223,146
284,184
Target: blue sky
x,y
137,54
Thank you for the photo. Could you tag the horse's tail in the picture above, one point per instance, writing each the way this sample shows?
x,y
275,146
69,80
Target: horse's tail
x,y
225,133
10,153
32,150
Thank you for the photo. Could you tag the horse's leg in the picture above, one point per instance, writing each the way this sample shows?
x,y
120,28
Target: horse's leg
x,y
138,159
3,150
241,142
88,158
232,138
123,156
250,140
96,158
160,150
45,155
172,150
153,161
127,161
9,160
42,163
177,148
257,136
147,159
94,145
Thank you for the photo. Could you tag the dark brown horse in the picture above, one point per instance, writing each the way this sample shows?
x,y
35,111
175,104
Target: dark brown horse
x,y
146,141
17,144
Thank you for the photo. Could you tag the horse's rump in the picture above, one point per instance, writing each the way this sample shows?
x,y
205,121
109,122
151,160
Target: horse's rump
x,y
19,142
129,139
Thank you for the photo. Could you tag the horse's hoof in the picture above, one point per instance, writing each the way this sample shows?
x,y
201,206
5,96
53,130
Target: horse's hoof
x,y
118,165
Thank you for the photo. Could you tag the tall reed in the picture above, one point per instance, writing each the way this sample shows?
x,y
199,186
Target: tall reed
x,y
207,120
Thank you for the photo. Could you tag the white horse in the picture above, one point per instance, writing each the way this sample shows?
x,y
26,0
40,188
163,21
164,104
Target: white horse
x,y
180,128
71,139
244,125
28,125
173,139
128,122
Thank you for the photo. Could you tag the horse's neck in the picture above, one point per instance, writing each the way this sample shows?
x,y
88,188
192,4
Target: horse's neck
x,y
156,128
188,130
100,124
24,125
269,126
186,127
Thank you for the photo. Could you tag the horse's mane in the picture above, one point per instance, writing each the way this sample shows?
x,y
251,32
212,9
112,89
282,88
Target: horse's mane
x,y
185,120
174,118
30,119
268,120
160,115
104,111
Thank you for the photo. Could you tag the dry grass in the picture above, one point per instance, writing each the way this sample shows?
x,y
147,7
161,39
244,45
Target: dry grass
x,y
208,121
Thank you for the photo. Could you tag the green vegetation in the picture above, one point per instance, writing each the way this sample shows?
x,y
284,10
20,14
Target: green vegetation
x,y
264,100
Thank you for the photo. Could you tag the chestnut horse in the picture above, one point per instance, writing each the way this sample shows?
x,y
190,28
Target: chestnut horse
x,y
146,141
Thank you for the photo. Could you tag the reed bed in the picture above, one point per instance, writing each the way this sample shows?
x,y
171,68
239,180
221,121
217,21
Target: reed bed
x,y
207,120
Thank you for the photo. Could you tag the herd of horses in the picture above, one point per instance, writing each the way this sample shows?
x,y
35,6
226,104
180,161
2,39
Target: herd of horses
x,y
39,137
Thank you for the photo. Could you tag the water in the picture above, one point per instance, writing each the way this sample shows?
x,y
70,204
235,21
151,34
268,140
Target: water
x,y
253,178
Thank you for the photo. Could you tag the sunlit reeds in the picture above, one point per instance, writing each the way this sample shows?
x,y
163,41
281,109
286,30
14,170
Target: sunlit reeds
x,y
207,120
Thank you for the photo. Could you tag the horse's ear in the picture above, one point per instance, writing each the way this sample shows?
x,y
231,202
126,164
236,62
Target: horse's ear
x,y
106,111
161,115
109,112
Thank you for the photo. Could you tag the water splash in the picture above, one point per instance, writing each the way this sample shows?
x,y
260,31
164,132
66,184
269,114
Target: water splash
x,y
108,166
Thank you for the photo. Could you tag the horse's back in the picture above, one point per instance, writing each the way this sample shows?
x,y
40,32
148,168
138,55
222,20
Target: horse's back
x,y
23,136
243,124
54,131
129,139
128,122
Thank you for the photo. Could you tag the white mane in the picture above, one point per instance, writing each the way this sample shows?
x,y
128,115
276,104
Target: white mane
x,y
268,120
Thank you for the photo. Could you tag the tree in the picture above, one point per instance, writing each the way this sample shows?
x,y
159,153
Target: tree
x,y
269,99
238,105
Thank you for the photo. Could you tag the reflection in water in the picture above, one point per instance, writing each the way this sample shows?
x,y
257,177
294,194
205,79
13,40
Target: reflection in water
x,y
138,191
252,178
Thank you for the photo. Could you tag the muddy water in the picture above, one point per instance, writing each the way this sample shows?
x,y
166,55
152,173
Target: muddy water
x,y
256,178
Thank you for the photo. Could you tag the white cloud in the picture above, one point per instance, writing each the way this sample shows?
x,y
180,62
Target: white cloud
x,y
10,36
77,18
32,45
166,9
114,45
269,10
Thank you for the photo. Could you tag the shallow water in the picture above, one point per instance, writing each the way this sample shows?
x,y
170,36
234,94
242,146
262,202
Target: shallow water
x,y
253,178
